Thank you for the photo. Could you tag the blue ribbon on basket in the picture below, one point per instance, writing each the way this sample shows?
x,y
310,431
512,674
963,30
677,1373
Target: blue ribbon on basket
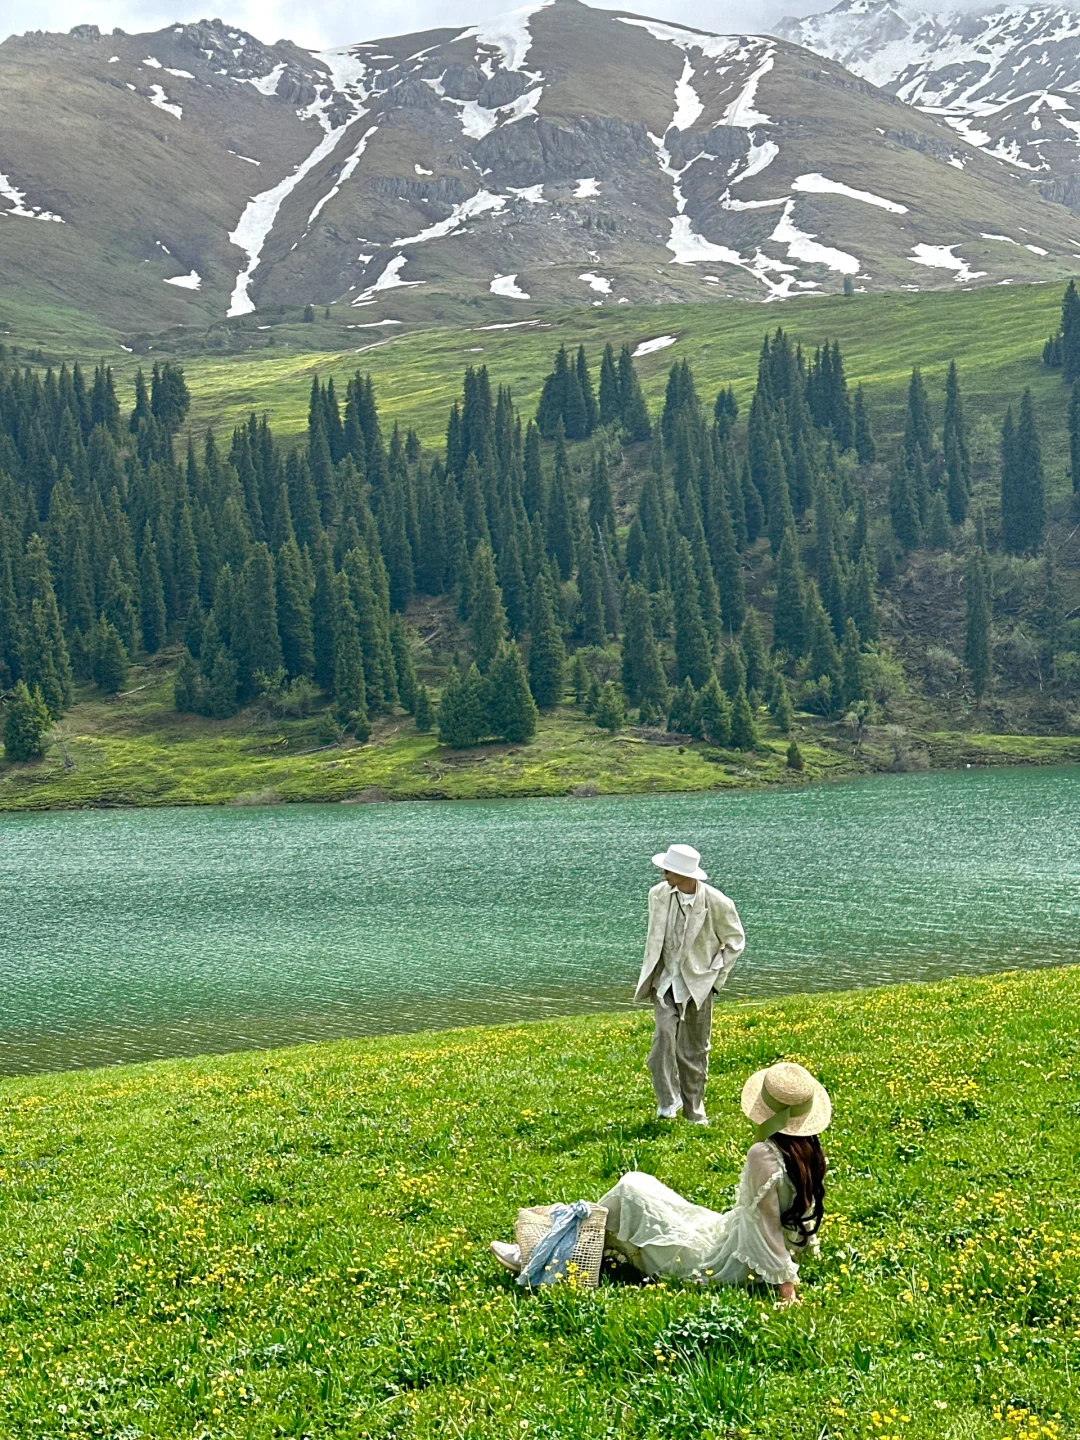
x,y
554,1251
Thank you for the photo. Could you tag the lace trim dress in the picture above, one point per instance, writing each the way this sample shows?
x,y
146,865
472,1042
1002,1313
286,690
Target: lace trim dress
x,y
662,1234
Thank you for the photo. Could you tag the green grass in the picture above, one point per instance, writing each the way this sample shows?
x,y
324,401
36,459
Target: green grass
x,y
134,749
293,1243
995,335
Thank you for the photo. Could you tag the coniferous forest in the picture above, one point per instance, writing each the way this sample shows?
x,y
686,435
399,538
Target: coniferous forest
x,y
686,569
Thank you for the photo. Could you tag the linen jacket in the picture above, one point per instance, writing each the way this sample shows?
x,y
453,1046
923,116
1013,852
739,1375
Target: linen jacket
x,y
714,940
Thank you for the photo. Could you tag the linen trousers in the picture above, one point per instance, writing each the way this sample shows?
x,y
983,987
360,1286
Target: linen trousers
x,y
679,1058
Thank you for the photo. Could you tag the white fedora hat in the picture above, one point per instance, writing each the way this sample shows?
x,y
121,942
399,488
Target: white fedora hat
x,y
681,860
786,1099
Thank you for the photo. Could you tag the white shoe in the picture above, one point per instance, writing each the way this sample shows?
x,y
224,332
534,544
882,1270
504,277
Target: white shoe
x,y
508,1256
668,1112
703,1122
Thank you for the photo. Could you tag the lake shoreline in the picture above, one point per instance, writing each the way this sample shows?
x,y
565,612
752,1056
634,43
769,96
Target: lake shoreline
x,y
567,759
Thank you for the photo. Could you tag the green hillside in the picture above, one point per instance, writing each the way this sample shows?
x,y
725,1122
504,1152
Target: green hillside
x,y
913,703
294,1243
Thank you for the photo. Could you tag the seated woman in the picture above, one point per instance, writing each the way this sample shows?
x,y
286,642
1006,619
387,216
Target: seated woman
x,y
778,1207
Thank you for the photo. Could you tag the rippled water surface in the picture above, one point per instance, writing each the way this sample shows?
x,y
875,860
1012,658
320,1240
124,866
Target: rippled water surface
x,y
131,934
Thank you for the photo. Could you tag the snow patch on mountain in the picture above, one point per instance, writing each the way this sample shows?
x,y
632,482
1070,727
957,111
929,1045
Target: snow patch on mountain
x,y
941,257
507,285
586,189
531,194
346,173
161,100
19,206
759,158
600,283
688,106
508,33
817,184
186,282
267,84
477,204
390,279
649,347
741,111
803,246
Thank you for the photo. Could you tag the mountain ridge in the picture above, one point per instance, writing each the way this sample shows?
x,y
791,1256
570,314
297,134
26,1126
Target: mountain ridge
x,y
590,157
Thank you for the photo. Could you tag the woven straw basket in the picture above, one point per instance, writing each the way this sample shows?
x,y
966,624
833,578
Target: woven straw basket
x,y
534,1221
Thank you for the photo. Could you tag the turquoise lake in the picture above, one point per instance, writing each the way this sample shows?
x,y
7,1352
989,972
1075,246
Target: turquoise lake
x,y
127,935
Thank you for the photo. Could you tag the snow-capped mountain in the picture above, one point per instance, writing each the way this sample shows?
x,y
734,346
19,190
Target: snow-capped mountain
x,y
554,155
1005,79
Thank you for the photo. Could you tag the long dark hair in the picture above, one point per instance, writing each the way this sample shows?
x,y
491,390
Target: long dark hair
x,y
805,1163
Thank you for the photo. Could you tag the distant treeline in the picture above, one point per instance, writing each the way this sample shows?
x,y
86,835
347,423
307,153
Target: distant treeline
x,y
288,569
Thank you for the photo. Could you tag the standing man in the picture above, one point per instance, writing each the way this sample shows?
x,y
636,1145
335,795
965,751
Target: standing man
x,y
695,936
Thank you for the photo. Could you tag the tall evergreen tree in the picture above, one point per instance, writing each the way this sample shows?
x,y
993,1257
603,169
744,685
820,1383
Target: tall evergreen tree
x,y
27,722
1023,516
1074,436
487,615
1070,334
954,443
865,446
547,655
512,709
977,641
349,689
789,608
693,652
151,596
256,644
744,734
643,677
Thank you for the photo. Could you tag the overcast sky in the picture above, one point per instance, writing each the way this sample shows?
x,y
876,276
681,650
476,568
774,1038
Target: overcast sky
x,y
341,22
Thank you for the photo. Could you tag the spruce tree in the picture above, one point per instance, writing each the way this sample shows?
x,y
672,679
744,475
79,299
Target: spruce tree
x,y
487,616
977,641
592,604
783,712
1023,504
903,507
714,713
580,679
220,698
732,671
610,712
794,756
424,714
938,535
682,711
824,656
463,720
917,431
547,655
743,730
401,645
865,447
1070,334
294,613
852,686
610,404
634,411
108,658
643,677
26,723
512,709
151,596
1074,436
187,685
754,653
954,444
789,608
693,653
561,529
45,660
256,644
349,689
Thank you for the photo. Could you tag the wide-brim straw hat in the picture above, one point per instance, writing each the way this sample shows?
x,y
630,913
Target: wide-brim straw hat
x,y
789,1094
681,860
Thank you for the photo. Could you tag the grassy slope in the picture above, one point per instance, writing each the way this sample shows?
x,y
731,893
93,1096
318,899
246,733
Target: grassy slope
x,y
994,334
135,750
292,1243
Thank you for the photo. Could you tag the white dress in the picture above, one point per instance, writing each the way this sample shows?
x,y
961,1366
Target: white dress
x,y
663,1234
